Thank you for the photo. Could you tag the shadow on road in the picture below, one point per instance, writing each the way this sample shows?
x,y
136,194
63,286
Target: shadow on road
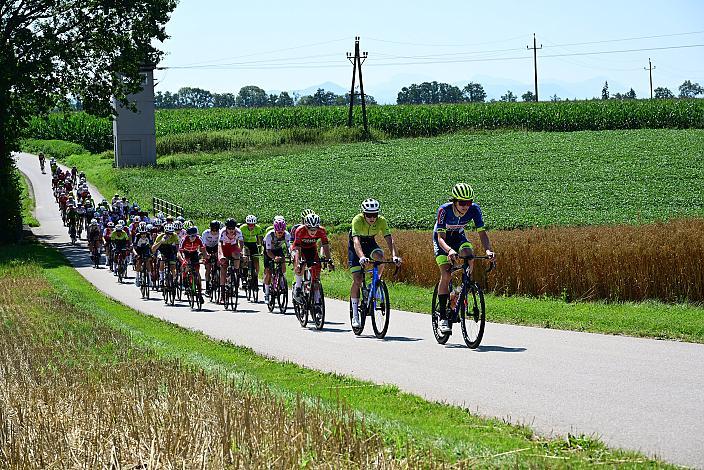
x,y
499,349
399,338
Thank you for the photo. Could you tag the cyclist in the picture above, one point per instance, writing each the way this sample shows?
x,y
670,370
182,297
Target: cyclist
x,y
120,242
274,242
252,236
53,165
449,240
305,245
107,235
142,250
42,161
362,247
188,251
93,235
167,244
229,248
72,217
211,239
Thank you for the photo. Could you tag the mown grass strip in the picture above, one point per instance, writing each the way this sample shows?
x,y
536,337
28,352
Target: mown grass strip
x,y
27,203
403,418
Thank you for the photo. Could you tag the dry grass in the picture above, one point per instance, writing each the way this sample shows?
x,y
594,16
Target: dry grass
x,y
76,394
617,263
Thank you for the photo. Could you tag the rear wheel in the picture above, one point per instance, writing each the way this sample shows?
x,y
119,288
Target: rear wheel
x,y
301,312
282,297
382,310
362,309
197,291
473,317
144,281
440,337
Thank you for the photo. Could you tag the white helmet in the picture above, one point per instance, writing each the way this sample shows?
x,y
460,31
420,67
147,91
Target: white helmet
x,y
250,219
169,228
278,217
312,221
178,225
370,206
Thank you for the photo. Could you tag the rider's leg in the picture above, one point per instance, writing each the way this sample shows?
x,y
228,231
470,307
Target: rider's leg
x,y
297,270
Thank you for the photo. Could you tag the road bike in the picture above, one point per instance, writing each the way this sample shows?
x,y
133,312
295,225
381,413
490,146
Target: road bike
x,y
465,305
248,277
144,275
374,302
312,298
72,232
120,264
168,284
95,253
192,284
213,281
231,290
278,291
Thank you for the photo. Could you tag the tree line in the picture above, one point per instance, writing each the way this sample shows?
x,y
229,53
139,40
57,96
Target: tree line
x,y
249,96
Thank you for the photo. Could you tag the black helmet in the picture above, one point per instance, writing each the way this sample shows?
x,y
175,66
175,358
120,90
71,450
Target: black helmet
x,y
192,231
214,225
230,223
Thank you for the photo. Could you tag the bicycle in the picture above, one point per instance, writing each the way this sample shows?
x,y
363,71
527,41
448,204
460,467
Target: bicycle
x,y
473,321
377,305
121,265
72,232
41,165
95,254
312,296
168,285
278,291
144,275
193,285
213,284
232,283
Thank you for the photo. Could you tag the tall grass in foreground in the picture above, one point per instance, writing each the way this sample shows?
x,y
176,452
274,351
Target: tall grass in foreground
x,y
616,263
76,394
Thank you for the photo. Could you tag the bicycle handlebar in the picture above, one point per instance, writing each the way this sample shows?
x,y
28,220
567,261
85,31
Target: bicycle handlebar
x,y
492,265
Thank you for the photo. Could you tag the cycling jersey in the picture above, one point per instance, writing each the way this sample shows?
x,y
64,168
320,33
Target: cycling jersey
x,y
165,239
188,245
250,235
93,233
142,241
304,240
119,235
226,239
361,228
107,233
272,242
448,221
210,238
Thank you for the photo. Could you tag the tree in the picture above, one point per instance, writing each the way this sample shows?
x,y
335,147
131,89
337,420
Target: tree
x,y
50,50
554,98
528,96
429,93
690,90
224,100
509,97
474,93
662,93
284,99
630,94
605,91
194,98
251,96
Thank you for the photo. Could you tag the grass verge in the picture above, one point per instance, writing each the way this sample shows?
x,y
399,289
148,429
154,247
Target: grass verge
x,y
39,286
27,203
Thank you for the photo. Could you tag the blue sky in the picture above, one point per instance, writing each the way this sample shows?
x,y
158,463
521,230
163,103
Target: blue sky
x,y
284,45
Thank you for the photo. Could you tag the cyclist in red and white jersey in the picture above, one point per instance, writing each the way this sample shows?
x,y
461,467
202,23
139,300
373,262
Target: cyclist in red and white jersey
x,y
188,251
229,249
211,240
305,248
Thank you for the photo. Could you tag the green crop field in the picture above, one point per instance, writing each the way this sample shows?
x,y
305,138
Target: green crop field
x,y
521,179
396,121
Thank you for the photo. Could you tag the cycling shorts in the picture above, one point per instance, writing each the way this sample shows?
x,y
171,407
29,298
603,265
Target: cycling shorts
x,y
456,240
369,247
168,253
253,248
228,251
269,262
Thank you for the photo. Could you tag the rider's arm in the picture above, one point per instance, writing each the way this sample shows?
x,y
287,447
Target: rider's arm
x,y
357,246
486,243
392,246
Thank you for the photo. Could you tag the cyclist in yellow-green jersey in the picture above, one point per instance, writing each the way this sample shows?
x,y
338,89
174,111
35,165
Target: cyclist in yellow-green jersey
x,y
253,235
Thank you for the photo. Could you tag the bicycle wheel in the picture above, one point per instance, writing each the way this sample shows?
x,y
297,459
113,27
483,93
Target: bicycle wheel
x,y
273,291
301,312
362,309
232,287
254,281
120,274
190,289
245,283
282,297
473,321
382,310
144,280
318,307
440,337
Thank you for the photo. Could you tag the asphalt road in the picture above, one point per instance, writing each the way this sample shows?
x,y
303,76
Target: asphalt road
x,y
640,394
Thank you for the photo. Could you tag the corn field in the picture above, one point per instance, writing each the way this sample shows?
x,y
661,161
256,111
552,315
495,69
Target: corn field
x,y
95,134
614,263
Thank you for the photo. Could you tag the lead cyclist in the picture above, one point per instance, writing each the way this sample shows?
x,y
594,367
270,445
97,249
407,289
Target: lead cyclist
x,y
450,241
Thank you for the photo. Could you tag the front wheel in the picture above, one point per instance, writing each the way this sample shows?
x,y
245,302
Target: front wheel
x,y
301,312
473,320
440,337
382,310
282,297
318,306
362,310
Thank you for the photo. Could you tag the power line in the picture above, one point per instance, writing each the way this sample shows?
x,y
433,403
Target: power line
x,y
403,43
626,39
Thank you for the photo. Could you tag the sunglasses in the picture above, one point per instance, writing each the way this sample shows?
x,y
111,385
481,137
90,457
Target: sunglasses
x,y
371,216
464,203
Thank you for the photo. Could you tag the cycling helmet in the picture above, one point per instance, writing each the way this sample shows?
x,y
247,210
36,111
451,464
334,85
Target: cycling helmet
x,y
159,215
120,222
150,227
137,218
306,212
142,227
250,220
180,219
192,231
187,224
169,228
278,217
119,227
178,225
312,221
214,225
111,224
157,223
370,206
230,223
94,221
117,195
280,225
462,192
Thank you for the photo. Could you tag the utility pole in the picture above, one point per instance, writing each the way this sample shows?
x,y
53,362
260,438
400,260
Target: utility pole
x,y
357,59
535,64
650,69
